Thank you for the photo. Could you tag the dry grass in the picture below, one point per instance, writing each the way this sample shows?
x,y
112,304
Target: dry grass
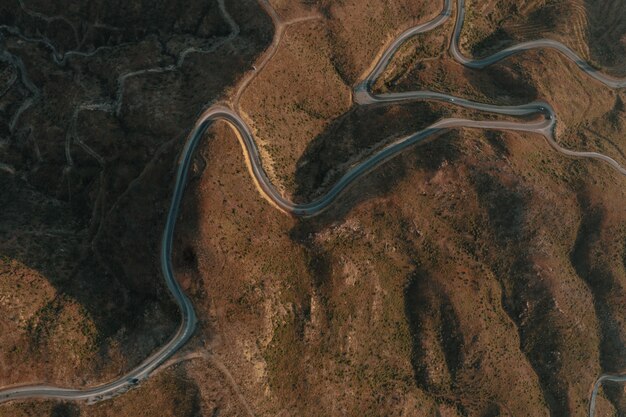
x,y
82,297
479,274
294,99
595,29
399,300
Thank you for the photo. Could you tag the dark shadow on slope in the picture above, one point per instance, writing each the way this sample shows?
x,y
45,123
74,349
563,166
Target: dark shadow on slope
x,y
112,23
428,156
616,394
319,266
115,276
360,133
427,305
607,291
50,241
65,410
544,17
505,83
606,29
498,143
526,300
491,43
616,115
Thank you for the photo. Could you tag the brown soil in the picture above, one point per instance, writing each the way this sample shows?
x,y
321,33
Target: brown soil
x,y
478,274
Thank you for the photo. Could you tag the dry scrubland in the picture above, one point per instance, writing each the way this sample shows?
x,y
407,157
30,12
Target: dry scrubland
x,y
169,394
479,274
81,297
590,115
308,82
289,103
596,29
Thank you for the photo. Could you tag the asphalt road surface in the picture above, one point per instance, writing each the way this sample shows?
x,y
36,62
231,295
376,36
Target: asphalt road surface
x,y
542,121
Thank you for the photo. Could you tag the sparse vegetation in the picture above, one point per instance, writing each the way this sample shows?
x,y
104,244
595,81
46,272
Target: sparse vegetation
x,y
478,274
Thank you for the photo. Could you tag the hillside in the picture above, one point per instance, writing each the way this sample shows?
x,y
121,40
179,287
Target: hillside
x,y
480,273
88,146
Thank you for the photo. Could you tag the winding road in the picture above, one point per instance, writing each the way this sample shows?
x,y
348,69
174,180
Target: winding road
x,y
543,123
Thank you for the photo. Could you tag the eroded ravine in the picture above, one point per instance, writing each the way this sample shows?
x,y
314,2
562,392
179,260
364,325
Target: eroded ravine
x,y
543,123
